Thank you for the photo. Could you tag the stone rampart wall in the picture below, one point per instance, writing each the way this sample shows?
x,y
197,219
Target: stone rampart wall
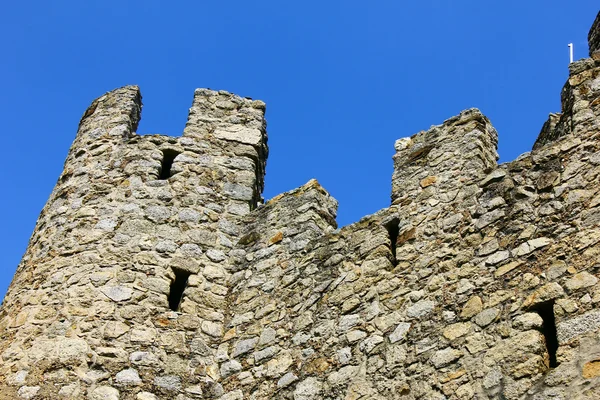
x,y
453,293
155,271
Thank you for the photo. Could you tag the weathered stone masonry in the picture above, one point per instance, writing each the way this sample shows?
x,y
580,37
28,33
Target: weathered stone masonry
x,y
480,281
594,37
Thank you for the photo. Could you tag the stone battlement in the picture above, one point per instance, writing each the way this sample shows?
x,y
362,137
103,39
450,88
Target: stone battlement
x,y
156,270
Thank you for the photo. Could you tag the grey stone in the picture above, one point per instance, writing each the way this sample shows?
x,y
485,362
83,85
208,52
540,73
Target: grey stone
x,y
356,335
222,352
556,270
493,378
238,192
489,218
528,321
446,356
577,326
244,346
70,391
158,213
395,355
488,247
189,215
265,353
195,391
464,285
400,332
168,382
486,316
308,389
144,358
146,396
424,345
213,329
166,246
449,316
300,338
344,355
94,376
494,176
117,293
106,225
191,250
348,321
420,309
104,393
497,257
18,378
28,392
128,377
230,367
239,134
198,346
234,395
369,344
267,336
215,255
343,375
286,380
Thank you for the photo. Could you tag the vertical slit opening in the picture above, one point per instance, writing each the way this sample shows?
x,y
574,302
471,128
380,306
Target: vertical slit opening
x,y
178,285
546,311
167,163
393,228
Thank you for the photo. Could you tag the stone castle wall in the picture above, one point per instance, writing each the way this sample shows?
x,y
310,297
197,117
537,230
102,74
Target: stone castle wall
x,y
146,280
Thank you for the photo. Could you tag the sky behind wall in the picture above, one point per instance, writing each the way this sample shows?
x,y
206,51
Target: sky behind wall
x,y
342,81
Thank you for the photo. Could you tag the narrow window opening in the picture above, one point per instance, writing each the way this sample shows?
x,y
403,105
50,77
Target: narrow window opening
x,y
393,231
546,311
167,163
178,285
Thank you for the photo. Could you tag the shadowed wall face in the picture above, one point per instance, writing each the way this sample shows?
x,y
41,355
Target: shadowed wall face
x,y
594,38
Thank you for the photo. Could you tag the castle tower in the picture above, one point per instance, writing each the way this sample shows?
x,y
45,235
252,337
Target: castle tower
x,y
155,271
127,267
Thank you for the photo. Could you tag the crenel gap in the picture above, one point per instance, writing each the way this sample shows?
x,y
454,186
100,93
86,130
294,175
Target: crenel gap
x,y
178,285
167,163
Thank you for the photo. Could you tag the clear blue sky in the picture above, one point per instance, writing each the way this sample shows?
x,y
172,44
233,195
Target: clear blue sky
x,y
342,80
